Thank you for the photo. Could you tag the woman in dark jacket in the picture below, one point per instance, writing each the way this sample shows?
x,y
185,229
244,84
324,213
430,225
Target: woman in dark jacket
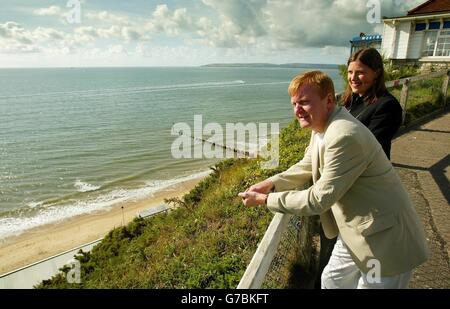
x,y
368,100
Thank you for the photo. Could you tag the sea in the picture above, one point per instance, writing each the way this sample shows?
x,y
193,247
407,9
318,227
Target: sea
x,y
79,140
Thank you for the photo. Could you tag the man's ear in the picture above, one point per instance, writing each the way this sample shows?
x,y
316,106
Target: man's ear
x,y
331,101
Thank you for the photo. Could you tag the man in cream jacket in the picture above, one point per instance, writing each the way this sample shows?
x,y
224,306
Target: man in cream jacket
x,y
355,190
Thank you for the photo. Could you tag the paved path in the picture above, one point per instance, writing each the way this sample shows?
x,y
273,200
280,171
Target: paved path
x,y
422,159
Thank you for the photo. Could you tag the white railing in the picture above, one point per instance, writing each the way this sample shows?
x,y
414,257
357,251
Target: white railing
x,y
405,83
260,263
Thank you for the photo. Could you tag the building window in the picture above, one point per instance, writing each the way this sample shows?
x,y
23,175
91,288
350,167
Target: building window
x,y
443,44
420,26
429,43
434,25
436,43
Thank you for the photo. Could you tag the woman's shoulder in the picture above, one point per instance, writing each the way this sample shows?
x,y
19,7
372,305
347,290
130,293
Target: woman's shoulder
x,y
387,102
387,97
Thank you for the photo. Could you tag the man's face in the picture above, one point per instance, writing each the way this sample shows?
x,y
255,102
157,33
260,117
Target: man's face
x,y
310,109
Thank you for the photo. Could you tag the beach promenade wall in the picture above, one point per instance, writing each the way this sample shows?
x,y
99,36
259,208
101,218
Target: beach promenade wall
x,y
28,276
33,274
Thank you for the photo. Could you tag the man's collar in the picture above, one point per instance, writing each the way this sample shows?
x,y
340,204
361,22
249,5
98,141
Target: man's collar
x,y
333,114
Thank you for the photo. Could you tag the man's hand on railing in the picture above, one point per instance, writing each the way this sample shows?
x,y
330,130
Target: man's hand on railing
x,y
257,194
264,187
250,198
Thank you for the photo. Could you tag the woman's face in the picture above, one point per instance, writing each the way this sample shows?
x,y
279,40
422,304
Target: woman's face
x,y
360,77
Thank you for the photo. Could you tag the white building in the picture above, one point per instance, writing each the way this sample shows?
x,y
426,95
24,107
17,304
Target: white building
x,y
423,36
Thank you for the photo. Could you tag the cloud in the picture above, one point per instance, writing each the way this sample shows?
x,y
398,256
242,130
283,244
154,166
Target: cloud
x,y
15,32
275,24
112,26
246,16
131,34
240,23
165,21
108,17
17,48
14,38
85,34
50,11
184,55
116,50
90,34
315,23
229,29
398,7
42,34
293,23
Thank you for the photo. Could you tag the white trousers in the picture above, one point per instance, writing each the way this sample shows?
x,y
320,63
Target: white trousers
x,y
342,273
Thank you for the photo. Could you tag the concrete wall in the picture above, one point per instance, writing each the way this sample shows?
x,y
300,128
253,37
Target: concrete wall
x,y
31,275
401,41
387,44
403,34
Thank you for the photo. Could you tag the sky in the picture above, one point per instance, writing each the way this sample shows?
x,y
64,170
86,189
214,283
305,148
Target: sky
x,y
96,33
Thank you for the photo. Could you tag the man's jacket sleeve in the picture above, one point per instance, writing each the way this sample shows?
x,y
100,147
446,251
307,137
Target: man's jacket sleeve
x,y
296,176
344,162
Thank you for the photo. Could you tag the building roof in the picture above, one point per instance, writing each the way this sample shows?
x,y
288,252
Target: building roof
x,y
418,17
431,6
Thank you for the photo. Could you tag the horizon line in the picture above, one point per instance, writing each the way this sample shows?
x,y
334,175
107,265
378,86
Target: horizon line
x,y
162,66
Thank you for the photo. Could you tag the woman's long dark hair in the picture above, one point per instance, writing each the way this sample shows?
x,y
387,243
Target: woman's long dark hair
x,y
372,58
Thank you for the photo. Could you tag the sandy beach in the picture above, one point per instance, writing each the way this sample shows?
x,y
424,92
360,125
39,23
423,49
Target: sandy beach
x,y
48,240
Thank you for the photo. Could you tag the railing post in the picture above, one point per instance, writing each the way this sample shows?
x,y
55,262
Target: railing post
x,y
259,265
404,99
445,87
